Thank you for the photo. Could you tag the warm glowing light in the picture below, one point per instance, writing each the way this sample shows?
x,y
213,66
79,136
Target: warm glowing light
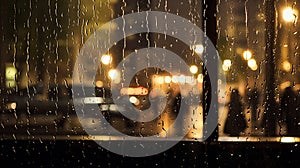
x,y
12,106
10,72
252,64
168,79
99,84
286,65
160,80
287,139
289,15
194,69
133,100
199,49
227,62
254,68
200,78
247,55
225,68
134,91
113,74
106,59
175,79
284,85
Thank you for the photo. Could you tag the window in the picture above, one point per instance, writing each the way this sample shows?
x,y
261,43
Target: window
x,y
165,81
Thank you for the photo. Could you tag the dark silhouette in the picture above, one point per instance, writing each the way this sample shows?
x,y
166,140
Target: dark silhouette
x,y
253,100
289,111
235,122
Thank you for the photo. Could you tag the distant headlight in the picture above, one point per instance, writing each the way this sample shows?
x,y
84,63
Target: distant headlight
x,y
11,106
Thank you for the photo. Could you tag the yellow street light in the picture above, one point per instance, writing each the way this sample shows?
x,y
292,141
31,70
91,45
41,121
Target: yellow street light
x,y
226,64
199,48
286,65
194,69
114,75
289,14
99,83
252,64
106,59
10,72
247,55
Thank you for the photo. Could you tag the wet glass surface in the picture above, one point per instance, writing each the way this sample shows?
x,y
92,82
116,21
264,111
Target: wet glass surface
x,y
54,112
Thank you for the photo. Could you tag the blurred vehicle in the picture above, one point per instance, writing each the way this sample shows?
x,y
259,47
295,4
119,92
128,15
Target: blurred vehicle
x,y
39,99
52,101
53,104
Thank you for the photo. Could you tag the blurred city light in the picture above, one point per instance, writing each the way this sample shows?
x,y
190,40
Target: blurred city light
x,y
289,14
200,78
286,65
199,49
10,72
226,64
168,79
284,85
106,59
134,100
247,55
225,68
194,69
160,80
12,106
174,79
134,91
288,139
99,83
114,75
252,64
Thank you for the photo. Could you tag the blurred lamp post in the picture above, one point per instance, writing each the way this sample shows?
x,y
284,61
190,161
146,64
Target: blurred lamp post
x,y
270,112
289,16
